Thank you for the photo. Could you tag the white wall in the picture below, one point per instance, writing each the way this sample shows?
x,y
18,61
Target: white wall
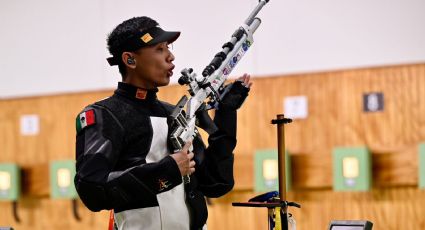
x,y
55,46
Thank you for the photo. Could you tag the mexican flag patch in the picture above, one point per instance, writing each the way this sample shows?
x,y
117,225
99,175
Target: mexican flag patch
x,y
85,119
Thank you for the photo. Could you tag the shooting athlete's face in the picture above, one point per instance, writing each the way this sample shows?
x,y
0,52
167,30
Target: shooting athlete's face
x,y
154,65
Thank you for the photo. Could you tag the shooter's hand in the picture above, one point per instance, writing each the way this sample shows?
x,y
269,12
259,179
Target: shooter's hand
x,y
184,160
237,94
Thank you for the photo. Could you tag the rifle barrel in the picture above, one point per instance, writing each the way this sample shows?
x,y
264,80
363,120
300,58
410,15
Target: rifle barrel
x,y
254,13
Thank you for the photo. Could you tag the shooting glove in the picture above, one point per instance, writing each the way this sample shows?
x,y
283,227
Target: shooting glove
x,y
235,96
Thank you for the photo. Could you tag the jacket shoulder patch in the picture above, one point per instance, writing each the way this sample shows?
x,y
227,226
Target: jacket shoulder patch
x,y
85,119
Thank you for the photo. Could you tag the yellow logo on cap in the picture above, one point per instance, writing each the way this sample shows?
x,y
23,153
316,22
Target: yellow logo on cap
x,y
146,38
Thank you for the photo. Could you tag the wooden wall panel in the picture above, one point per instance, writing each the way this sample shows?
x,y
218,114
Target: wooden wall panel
x,y
335,119
55,141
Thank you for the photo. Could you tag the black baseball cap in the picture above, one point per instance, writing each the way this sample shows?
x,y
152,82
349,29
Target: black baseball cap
x,y
149,37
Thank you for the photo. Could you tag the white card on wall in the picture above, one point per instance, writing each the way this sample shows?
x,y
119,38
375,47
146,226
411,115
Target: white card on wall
x,y
30,125
296,107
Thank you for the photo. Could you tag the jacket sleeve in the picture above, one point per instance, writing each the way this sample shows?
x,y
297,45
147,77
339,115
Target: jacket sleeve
x,y
215,173
98,147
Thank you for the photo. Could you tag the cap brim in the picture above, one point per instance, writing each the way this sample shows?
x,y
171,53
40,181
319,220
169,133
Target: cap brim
x,y
166,36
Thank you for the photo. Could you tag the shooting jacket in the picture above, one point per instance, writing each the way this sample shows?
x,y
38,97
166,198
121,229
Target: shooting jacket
x,y
124,163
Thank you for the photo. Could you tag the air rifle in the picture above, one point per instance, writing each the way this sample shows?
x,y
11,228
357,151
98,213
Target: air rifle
x,y
210,84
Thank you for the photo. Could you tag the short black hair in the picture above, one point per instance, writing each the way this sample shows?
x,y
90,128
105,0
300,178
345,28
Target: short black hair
x,y
123,32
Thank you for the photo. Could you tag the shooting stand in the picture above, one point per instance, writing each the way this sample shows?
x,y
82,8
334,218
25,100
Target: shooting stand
x,y
276,203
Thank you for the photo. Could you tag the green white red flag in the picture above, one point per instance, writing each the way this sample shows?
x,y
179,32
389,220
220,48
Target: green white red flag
x,y
85,119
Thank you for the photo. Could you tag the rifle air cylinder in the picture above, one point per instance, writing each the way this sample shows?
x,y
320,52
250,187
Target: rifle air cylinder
x,y
221,56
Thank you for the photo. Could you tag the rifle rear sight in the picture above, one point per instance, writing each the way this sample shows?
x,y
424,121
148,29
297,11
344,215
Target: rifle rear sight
x,y
185,78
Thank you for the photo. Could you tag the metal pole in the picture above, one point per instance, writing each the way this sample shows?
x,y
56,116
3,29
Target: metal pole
x,y
281,121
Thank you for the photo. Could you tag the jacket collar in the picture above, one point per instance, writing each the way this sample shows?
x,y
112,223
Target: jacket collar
x,y
135,93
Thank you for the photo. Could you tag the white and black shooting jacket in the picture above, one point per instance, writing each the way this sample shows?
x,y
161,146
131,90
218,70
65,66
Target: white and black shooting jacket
x,y
124,163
